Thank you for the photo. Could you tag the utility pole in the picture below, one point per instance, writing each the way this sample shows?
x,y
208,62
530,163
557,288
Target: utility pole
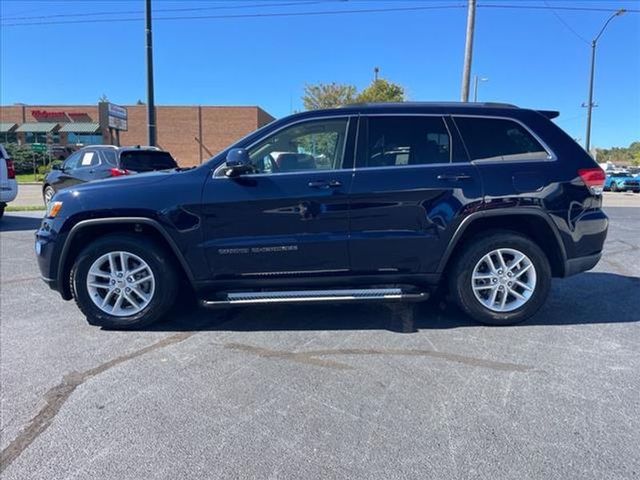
x,y
376,71
151,109
468,50
590,104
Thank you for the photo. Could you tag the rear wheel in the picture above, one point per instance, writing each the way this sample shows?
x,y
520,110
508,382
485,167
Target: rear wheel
x,y
123,281
500,279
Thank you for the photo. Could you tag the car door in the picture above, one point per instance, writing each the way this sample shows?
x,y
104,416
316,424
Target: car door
x,y
412,180
87,168
66,176
290,216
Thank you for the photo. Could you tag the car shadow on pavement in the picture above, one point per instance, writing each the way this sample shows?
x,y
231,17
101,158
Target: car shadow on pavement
x,y
16,223
589,298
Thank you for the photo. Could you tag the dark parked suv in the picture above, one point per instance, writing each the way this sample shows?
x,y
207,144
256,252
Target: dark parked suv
x,y
366,202
97,162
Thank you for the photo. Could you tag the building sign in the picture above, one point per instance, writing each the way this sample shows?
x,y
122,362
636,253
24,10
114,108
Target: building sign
x,y
117,117
60,116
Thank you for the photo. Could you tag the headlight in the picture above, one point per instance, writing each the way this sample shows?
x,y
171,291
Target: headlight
x,y
53,209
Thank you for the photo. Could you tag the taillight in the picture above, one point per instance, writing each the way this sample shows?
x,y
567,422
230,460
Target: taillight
x,y
11,171
593,178
118,172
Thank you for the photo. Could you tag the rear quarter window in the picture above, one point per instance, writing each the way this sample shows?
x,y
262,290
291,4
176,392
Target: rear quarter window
x,y
146,161
499,139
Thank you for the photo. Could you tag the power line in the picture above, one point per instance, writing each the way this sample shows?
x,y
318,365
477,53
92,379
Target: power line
x,y
157,10
559,7
569,27
317,13
247,15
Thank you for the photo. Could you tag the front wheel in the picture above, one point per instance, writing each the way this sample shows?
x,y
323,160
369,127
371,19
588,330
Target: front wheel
x,y
500,279
614,187
123,281
47,195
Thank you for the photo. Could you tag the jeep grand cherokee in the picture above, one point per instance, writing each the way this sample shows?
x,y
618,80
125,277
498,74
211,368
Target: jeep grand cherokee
x,y
366,202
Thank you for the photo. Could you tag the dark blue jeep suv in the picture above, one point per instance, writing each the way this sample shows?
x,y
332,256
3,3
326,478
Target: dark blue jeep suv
x,y
366,202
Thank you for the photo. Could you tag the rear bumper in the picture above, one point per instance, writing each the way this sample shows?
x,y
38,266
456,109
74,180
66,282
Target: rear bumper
x,y
581,264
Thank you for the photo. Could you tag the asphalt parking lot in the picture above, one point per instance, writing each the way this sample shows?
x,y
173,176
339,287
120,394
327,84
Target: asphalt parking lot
x,y
324,391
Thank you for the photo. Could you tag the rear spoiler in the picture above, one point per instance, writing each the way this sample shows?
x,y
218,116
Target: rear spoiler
x,y
550,114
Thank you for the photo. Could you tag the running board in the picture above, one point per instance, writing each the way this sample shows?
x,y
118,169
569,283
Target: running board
x,y
317,296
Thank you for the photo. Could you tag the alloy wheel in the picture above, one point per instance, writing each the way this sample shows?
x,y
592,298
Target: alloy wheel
x,y
504,280
120,283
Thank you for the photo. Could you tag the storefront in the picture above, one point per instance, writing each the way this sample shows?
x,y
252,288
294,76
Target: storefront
x,y
191,133
38,132
81,133
8,132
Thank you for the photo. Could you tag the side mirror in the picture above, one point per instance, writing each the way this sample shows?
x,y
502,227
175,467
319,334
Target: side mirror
x,y
237,162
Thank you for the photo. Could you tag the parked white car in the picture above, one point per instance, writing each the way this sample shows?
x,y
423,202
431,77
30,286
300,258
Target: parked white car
x,y
8,183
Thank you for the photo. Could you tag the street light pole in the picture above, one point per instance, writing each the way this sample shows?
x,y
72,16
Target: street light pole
x,y
594,43
151,109
477,79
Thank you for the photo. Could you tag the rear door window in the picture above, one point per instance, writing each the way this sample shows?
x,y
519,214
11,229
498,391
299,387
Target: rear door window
x,y
397,141
499,139
146,160
89,159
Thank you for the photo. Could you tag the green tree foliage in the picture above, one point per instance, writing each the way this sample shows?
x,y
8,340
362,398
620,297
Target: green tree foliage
x,y
620,155
381,91
331,95
24,158
327,95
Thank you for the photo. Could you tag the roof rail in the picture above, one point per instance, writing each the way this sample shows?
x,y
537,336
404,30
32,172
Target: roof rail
x,y
430,104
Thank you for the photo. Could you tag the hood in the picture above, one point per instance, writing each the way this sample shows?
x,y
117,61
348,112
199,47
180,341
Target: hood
x,y
125,181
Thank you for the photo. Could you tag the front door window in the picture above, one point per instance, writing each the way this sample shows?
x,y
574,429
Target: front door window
x,y
311,146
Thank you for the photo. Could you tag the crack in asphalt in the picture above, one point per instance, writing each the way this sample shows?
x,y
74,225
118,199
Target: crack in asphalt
x,y
311,357
58,395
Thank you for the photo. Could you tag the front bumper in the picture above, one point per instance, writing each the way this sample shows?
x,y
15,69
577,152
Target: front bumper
x,y
47,249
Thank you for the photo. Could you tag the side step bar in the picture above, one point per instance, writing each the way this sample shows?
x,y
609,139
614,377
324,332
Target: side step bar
x,y
317,296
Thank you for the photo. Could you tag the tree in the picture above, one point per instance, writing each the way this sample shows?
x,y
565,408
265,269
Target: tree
x,y
620,155
327,95
381,91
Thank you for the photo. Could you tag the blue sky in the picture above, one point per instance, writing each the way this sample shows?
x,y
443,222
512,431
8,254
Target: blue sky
x,y
531,58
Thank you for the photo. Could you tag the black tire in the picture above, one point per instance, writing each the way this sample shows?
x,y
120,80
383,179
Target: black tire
x,y
460,283
157,258
1,211
614,187
49,192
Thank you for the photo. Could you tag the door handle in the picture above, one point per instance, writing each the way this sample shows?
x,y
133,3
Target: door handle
x,y
324,184
454,178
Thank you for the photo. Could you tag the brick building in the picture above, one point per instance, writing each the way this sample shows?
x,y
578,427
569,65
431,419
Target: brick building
x,y
191,133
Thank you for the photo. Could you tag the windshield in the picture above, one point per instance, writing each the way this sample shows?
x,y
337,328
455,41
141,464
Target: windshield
x,y
146,160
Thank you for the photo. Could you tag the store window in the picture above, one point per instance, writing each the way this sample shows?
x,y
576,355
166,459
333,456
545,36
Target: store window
x,y
9,137
84,138
41,137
